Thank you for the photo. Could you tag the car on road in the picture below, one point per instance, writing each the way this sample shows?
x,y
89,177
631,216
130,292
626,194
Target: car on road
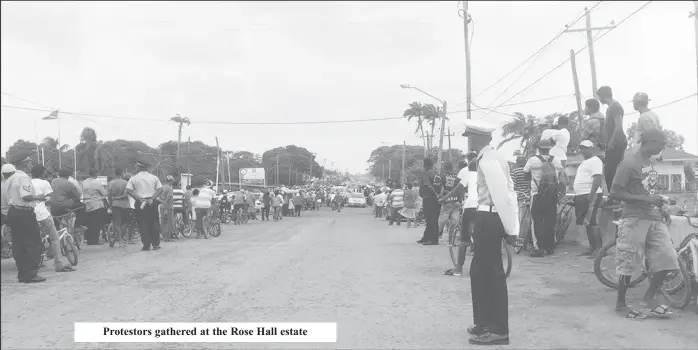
x,y
357,199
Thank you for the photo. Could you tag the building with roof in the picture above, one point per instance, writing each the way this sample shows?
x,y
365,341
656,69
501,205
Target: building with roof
x,y
670,169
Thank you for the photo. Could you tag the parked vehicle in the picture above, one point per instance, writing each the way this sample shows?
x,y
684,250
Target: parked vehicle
x,y
357,199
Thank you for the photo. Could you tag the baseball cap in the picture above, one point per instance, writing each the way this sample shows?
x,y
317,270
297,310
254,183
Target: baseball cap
x,y
641,97
545,144
8,168
652,135
586,144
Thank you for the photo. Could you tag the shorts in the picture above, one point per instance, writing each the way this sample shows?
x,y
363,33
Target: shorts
x,y
587,212
638,238
449,215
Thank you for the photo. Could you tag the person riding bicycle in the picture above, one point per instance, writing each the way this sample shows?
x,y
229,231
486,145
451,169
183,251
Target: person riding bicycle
x,y
238,203
250,207
225,202
643,225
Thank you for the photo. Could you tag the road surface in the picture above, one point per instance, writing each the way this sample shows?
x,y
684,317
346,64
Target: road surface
x,y
383,290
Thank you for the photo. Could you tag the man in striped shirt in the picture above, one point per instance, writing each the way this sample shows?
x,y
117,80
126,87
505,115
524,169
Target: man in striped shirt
x,y
179,204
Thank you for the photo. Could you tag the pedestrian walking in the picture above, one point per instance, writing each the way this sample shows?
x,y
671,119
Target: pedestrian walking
x,y
145,188
497,217
26,239
409,211
118,200
429,189
397,202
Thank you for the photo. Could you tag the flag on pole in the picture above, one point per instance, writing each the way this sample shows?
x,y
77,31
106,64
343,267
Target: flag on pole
x,y
52,116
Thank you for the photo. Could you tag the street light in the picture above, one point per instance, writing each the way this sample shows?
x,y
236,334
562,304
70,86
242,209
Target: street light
x,y
390,166
443,120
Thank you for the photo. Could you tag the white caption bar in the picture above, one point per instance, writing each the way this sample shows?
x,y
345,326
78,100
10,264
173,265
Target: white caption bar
x,y
125,332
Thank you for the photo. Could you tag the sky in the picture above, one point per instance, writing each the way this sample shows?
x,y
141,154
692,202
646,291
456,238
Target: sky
x,y
144,62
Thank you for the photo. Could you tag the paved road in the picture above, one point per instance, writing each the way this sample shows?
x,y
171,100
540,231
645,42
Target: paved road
x,y
382,289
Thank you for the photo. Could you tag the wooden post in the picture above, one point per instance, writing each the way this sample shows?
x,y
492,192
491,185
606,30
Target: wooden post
x,y
403,178
218,162
577,95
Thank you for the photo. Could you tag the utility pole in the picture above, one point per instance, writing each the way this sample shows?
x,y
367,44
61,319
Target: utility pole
x,y
694,14
290,169
441,138
402,171
323,167
468,98
450,155
277,170
230,179
577,95
218,162
590,44
390,169
188,156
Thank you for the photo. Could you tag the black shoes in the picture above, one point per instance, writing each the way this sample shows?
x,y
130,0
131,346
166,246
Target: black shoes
x,y
35,279
430,243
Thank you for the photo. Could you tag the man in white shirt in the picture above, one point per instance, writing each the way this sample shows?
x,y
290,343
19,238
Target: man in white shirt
x,y
467,184
497,218
44,218
379,202
199,206
543,171
561,138
589,196
145,188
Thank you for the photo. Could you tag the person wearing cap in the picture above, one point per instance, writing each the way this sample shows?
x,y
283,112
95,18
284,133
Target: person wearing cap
x,y
44,218
95,194
522,187
119,203
594,128
166,199
145,188
497,218
7,171
615,139
543,171
589,196
643,225
26,238
430,190
648,120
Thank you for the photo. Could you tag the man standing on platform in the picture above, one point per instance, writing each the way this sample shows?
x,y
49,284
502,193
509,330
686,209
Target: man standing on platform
x,y
497,218
145,188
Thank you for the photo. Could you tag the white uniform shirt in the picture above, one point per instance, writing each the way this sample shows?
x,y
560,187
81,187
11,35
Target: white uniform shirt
x,y
144,184
496,188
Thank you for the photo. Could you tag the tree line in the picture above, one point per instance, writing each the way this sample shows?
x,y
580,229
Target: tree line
x,y
195,157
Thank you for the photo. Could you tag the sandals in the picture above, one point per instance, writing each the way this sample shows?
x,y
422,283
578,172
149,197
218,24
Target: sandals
x,y
65,269
634,314
660,312
452,272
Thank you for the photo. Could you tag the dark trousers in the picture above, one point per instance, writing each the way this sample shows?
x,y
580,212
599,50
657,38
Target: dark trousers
x,y
488,283
265,212
468,224
95,221
79,209
395,215
26,241
200,213
148,223
298,209
610,163
431,209
544,216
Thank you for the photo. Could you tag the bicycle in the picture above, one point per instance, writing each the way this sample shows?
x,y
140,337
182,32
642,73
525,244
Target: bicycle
x,y
666,289
563,218
67,246
6,242
180,227
67,221
454,233
688,251
526,233
211,225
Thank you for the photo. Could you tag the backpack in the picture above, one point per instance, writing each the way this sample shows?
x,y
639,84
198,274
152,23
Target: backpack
x,y
549,179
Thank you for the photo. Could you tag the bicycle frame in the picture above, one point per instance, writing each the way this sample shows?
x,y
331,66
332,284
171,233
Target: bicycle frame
x,y
693,247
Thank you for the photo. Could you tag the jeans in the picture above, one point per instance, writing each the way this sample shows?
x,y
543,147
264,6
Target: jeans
x,y
298,209
610,163
488,283
544,216
265,212
200,213
277,212
431,216
167,221
26,241
50,229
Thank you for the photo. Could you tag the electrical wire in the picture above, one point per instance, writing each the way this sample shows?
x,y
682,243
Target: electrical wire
x,y
669,103
210,122
534,54
575,54
517,103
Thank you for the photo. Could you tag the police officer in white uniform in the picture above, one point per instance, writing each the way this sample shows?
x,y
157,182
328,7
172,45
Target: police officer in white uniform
x,y
145,188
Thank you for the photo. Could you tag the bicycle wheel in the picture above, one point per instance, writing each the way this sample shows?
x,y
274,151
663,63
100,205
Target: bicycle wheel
x,y
681,296
506,258
605,267
78,237
215,228
454,243
525,234
687,257
111,235
6,242
69,250
563,223
187,229
245,218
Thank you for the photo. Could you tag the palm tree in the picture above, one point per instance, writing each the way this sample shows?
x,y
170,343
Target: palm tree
x,y
431,115
416,111
92,154
524,128
51,146
181,121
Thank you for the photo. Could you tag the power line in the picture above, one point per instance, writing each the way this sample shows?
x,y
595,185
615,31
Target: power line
x,y
516,103
212,122
576,53
669,103
534,54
